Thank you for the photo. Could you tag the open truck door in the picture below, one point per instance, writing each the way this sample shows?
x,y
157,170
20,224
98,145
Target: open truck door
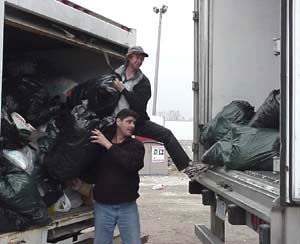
x,y
285,219
244,50
291,105
76,43
1,47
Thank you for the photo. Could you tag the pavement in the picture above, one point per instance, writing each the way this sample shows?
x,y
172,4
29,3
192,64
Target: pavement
x,y
168,212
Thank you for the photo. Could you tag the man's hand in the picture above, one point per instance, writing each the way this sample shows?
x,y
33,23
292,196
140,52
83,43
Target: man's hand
x,y
118,85
99,138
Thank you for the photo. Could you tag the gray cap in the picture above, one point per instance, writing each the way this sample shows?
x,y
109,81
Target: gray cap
x,y
136,50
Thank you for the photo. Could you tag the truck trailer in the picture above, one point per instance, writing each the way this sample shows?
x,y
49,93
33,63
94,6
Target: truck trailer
x,y
80,45
244,50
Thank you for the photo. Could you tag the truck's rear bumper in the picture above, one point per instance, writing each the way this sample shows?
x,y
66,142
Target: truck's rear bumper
x,y
254,192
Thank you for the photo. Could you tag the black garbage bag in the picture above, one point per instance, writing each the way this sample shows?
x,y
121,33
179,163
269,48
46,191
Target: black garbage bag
x,y
12,221
102,97
245,148
24,158
28,64
89,175
49,189
85,119
10,135
237,112
267,116
45,143
51,129
11,138
19,194
33,99
18,66
22,89
58,122
73,152
9,104
42,108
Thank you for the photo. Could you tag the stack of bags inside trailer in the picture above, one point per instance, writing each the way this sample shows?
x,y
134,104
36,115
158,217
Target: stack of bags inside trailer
x,y
240,139
46,122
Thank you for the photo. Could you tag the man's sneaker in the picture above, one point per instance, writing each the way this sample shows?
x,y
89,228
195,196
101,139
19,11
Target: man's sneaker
x,y
195,171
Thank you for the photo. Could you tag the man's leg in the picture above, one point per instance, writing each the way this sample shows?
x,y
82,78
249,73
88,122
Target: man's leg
x,y
128,223
176,152
154,131
105,223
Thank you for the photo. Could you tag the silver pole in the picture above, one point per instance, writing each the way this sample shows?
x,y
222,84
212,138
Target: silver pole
x,y
162,10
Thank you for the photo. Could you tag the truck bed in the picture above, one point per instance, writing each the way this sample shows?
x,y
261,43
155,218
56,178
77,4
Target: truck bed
x,y
73,216
63,226
254,191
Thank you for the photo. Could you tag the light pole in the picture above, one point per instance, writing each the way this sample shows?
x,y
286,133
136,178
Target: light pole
x,y
161,11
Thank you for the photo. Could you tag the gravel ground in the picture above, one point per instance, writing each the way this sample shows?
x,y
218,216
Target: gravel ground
x,y
168,215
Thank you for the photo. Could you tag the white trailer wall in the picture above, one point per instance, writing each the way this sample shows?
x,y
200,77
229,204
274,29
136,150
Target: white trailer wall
x,y
242,62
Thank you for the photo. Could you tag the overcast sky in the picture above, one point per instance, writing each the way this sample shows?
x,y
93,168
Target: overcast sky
x,y
176,52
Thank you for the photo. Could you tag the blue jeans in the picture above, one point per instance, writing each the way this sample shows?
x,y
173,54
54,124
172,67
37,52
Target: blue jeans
x,y
125,215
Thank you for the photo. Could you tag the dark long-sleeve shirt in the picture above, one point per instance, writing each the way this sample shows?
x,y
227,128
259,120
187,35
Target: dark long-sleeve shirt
x,y
139,96
117,178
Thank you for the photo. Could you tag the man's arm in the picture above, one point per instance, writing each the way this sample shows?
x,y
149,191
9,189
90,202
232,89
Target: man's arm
x,y
98,138
130,157
139,97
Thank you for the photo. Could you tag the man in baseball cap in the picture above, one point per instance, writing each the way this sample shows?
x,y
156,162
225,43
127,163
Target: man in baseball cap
x,y
135,91
136,50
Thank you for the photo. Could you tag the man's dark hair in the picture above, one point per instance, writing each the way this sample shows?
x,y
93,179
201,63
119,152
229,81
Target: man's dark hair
x,y
124,113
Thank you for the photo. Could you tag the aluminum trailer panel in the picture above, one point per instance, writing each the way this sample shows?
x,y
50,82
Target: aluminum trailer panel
x,y
56,21
63,14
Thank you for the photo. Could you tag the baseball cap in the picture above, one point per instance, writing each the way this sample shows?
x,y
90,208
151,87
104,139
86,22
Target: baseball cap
x,y
136,50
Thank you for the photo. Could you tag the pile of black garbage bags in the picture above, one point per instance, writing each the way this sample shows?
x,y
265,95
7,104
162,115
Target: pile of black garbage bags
x,y
240,139
45,141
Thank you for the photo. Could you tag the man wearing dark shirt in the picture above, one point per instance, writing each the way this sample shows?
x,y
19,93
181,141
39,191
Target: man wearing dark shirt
x,y
117,181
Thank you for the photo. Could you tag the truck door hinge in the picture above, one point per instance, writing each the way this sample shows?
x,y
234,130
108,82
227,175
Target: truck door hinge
x,y
196,16
276,46
195,86
195,147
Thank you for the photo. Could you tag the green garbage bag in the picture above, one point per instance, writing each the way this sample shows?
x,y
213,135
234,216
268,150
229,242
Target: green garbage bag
x,y
237,112
11,221
267,116
19,194
245,148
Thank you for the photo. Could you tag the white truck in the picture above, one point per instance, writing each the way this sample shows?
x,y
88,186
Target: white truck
x,y
76,42
243,51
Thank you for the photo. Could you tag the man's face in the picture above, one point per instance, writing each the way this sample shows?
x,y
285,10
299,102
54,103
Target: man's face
x,y
135,61
126,126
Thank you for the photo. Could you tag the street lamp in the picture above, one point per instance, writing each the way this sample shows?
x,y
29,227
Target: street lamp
x,y
161,11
